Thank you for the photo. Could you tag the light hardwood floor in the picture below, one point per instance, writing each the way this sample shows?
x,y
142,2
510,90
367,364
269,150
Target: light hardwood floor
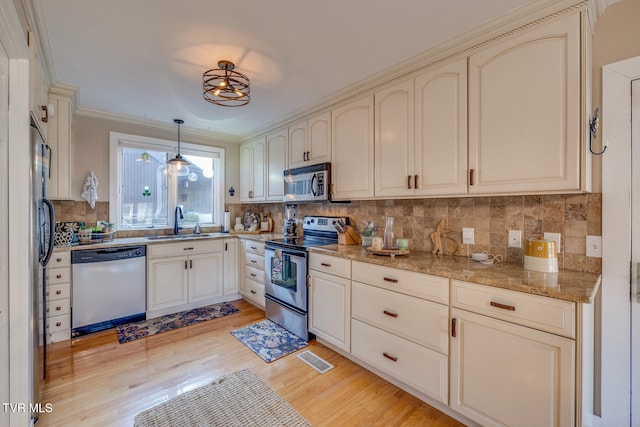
x,y
95,381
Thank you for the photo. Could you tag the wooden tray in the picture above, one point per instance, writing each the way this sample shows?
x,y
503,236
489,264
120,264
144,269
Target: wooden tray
x,y
244,232
387,252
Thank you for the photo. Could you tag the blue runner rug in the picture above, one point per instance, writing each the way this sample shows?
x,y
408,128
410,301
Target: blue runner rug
x,y
145,328
269,340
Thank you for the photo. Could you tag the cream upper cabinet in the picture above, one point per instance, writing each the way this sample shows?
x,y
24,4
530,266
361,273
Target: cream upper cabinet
x,y
276,164
394,140
252,170
525,111
352,150
440,152
59,139
310,141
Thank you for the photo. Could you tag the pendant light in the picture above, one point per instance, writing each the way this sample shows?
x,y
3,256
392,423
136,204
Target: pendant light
x,y
178,166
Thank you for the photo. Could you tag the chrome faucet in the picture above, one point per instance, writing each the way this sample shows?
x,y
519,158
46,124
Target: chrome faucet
x,y
176,217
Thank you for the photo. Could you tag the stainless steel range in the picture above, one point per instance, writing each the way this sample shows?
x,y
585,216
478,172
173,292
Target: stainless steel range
x,y
286,264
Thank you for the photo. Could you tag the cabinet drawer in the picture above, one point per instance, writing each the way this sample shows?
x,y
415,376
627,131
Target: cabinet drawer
x,y
543,313
254,292
58,275
254,274
330,265
58,323
254,260
60,291
60,259
417,366
420,285
183,248
254,247
420,321
58,307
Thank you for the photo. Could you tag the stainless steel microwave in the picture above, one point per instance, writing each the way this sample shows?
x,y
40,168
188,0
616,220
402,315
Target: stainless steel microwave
x,y
308,183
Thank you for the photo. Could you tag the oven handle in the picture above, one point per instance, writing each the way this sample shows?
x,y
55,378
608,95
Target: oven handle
x,y
290,252
313,188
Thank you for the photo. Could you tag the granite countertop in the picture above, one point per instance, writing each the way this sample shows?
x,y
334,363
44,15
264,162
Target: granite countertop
x,y
566,285
136,241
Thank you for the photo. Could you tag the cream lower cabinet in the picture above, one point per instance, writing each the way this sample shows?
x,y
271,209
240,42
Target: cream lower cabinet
x,y
400,326
254,276
58,310
330,299
504,373
181,275
231,266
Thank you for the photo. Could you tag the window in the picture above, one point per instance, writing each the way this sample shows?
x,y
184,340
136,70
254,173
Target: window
x,y
143,195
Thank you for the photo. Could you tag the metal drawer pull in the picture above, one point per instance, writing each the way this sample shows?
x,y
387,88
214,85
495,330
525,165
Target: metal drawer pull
x,y
253,261
388,279
408,182
453,328
252,291
254,275
58,276
390,357
390,314
190,263
185,264
324,264
502,306
58,259
188,249
58,308
254,248
58,292
58,324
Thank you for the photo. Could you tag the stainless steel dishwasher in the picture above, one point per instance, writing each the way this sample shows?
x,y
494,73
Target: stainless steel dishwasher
x,y
108,288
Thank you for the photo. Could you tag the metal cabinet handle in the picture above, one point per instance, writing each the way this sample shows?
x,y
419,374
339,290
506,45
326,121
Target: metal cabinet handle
x,y
388,279
58,324
390,357
58,259
408,182
58,292
185,264
253,275
190,263
253,261
324,264
415,182
472,177
188,248
226,246
58,276
58,308
453,328
254,248
252,291
502,306
390,313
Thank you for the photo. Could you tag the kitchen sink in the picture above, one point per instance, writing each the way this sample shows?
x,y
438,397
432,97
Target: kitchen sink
x,y
176,236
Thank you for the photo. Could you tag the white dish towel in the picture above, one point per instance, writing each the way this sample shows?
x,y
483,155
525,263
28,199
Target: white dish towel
x,y
90,189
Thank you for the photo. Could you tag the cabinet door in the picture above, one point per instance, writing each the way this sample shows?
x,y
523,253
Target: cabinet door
x,y
246,172
524,111
205,276
394,140
352,150
258,165
330,308
231,266
506,374
167,280
276,164
441,130
298,144
319,139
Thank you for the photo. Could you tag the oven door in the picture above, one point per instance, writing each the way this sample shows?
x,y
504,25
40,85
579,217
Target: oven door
x,y
286,271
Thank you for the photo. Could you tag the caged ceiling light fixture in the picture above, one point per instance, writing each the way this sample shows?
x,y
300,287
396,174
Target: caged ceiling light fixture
x,y
226,87
178,166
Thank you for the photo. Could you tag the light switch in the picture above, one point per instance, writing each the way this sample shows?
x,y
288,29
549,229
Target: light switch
x,y
594,246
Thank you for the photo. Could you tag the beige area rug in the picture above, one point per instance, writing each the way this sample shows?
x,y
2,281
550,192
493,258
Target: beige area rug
x,y
237,399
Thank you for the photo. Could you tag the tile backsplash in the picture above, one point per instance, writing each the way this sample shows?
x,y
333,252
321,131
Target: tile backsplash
x,y
574,216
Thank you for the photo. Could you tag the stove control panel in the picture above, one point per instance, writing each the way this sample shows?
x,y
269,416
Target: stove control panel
x,y
323,223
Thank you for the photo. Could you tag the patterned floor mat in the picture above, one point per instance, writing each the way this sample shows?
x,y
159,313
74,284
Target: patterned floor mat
x,y
269,340
145,328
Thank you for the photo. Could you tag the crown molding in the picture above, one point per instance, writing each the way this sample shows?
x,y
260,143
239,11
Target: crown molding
x,y
155,124
515,21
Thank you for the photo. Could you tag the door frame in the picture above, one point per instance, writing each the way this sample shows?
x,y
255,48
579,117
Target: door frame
x,y
615,324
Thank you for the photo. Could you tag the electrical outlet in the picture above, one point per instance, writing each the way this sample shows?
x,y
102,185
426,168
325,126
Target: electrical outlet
x,y
515,239
468,236
594,246
555,237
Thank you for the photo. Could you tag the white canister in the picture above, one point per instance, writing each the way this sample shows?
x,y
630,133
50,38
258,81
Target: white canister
x,y
541,255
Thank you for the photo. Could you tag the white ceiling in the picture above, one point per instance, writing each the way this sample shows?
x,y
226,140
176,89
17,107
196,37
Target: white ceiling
x,y
145,58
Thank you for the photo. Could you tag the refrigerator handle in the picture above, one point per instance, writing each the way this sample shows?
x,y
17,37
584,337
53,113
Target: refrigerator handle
x,y
49,152
52,233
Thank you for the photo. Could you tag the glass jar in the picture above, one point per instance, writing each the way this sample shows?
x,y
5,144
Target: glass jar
x,y
389,239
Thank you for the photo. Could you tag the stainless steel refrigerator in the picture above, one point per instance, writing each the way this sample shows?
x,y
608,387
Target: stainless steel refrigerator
x,y
42,240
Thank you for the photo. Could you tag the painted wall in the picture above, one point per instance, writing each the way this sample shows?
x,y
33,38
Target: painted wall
x,y
90,151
